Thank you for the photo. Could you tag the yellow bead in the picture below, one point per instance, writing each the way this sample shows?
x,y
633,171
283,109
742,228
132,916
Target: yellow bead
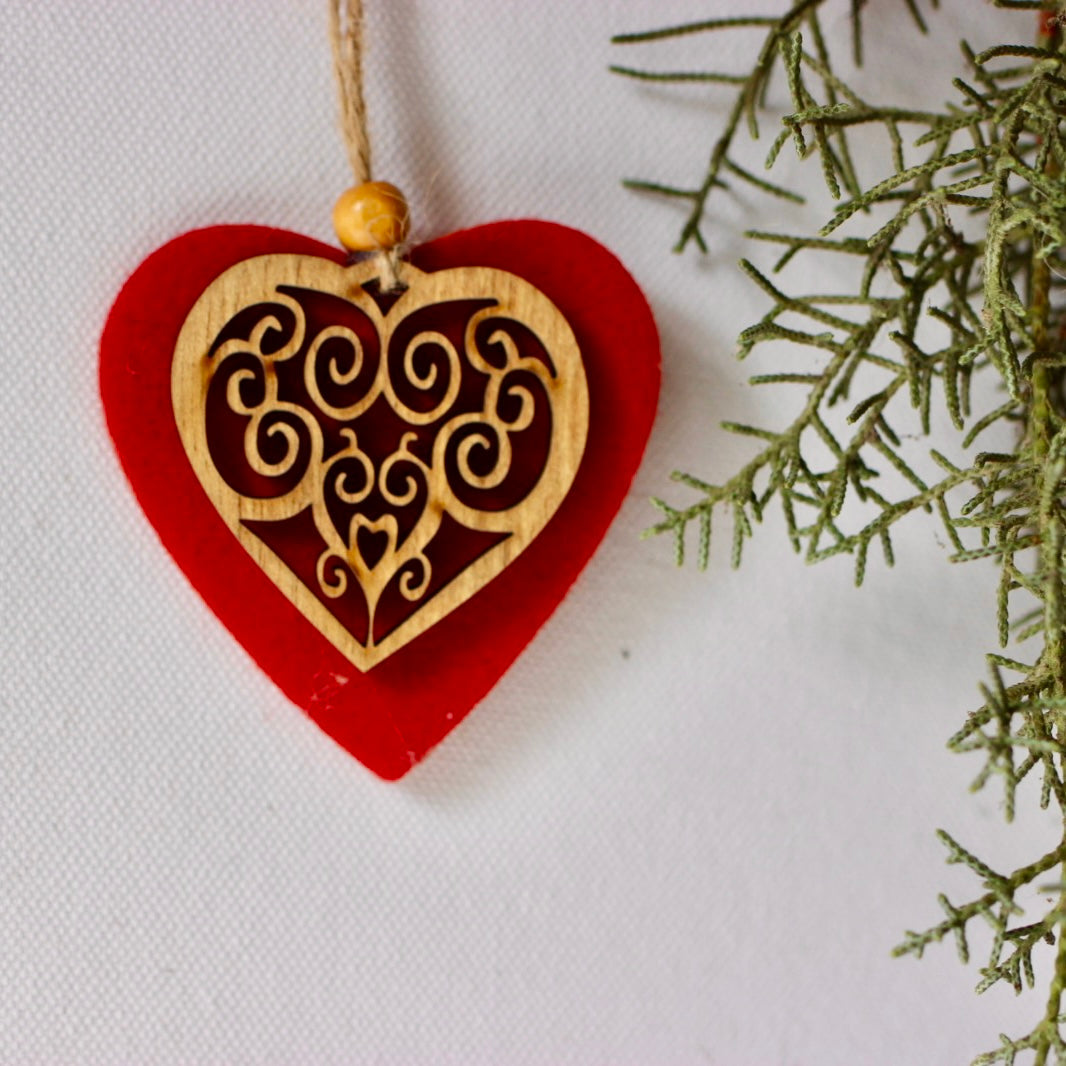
x,y
371,217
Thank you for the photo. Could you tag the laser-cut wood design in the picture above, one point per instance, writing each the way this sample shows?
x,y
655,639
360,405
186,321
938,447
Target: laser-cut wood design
x,y
381,457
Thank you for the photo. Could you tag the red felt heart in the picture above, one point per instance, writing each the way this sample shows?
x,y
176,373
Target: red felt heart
x,y
391,715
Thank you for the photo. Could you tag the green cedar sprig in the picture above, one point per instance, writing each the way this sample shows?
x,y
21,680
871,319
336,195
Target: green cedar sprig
x,y
959,272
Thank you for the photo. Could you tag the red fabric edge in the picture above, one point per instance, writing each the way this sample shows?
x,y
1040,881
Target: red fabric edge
x,y
390,717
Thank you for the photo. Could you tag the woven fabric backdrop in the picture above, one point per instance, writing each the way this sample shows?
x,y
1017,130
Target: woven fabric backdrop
x,y
690,823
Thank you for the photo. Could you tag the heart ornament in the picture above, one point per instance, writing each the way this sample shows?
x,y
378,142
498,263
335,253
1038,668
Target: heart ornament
x,y
380,457
382,495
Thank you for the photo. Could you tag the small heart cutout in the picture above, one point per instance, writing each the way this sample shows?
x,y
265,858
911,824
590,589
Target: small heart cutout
x,y
251,382
371,545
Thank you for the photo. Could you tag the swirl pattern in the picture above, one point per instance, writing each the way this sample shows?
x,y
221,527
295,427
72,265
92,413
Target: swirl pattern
x,y
379,462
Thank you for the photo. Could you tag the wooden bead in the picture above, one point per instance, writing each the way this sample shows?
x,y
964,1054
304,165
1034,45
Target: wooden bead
x,y
371,217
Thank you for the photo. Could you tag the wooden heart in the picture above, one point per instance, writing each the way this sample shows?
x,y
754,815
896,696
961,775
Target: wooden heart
x,y
559,293
380,457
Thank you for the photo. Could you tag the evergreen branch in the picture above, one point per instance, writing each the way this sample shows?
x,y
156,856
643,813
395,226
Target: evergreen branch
x,y
751,93
1022,51
904,177
761,183
692,27
651,186
958,917
678,75
971,237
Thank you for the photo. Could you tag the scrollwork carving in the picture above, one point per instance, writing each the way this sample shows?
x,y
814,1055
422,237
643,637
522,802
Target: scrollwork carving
x,y
401,455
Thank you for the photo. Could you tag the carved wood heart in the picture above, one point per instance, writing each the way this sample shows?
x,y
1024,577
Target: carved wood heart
x,y
388,717
380,457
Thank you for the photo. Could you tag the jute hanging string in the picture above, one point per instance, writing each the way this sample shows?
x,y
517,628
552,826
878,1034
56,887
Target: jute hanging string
x,y
346,37
373,215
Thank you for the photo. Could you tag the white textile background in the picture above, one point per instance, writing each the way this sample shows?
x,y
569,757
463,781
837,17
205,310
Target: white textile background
x,y
686,827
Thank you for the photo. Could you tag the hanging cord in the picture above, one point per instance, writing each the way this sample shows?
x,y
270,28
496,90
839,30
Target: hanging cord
x,y
346,38
373,215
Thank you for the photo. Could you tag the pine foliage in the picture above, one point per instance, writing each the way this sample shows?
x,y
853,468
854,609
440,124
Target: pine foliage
x,y
956,312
